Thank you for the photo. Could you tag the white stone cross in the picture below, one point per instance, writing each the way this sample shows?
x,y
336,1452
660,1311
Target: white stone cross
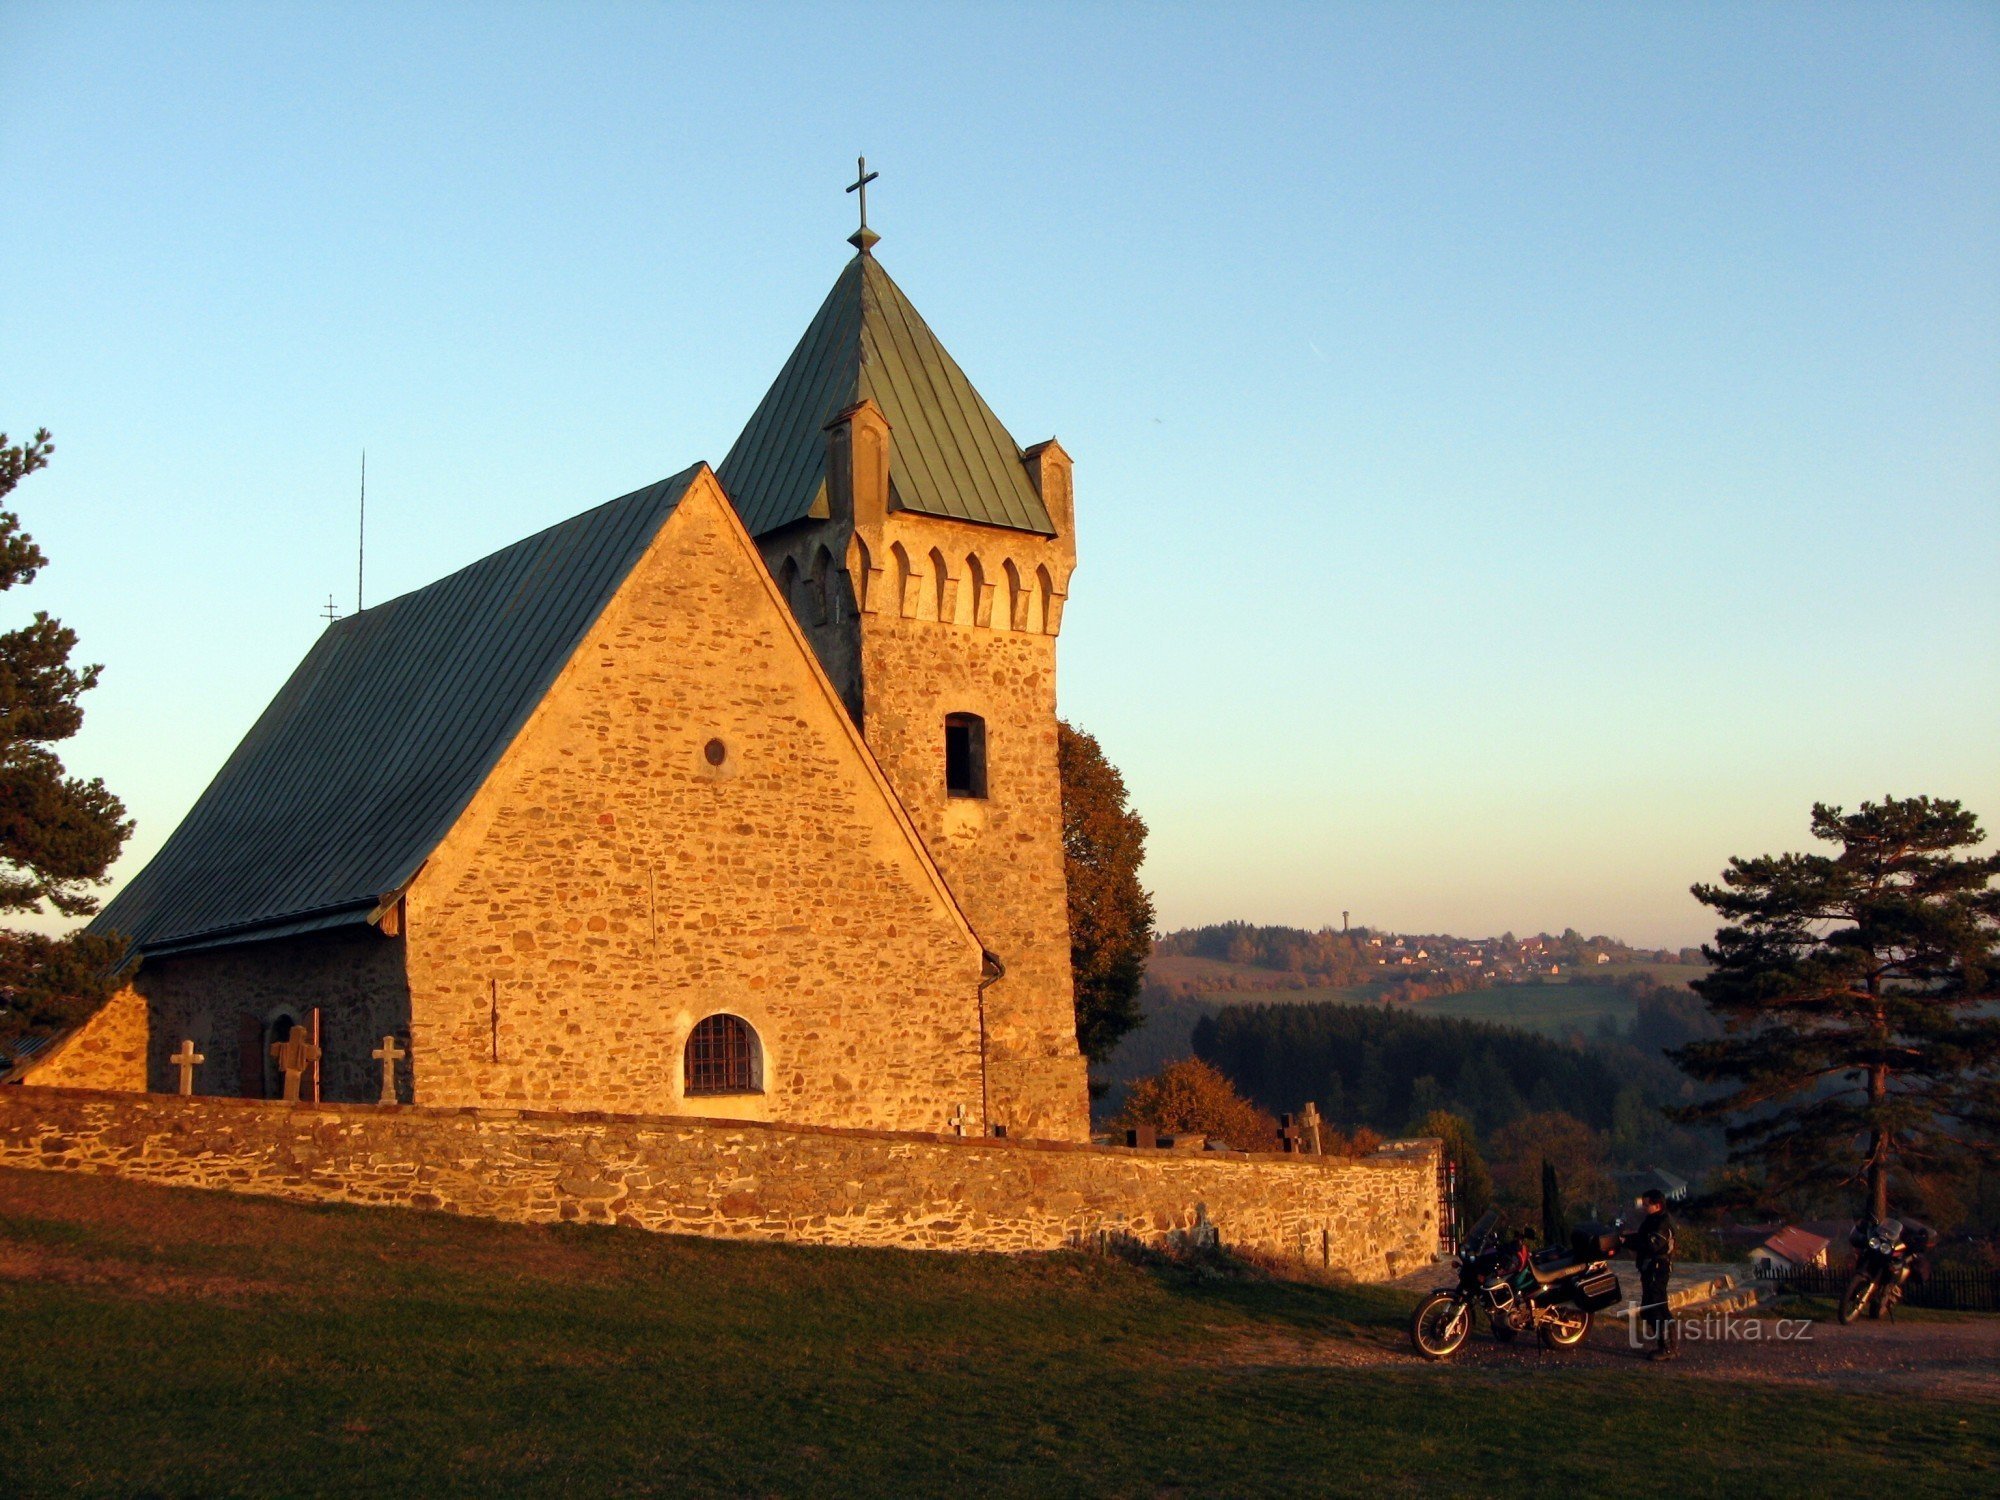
x,y
957,1121
388,1055
186,1060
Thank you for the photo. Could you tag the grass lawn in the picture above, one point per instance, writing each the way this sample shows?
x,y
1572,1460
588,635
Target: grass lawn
x,y
1668,974
164,1342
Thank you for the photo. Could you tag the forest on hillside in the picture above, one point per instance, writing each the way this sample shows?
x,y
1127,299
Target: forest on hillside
x,y
1386,1069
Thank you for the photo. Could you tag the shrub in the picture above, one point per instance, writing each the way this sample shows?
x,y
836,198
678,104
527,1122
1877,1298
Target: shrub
x,y
1191,1096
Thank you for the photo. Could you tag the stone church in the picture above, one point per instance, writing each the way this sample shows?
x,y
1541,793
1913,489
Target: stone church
x,y
733,797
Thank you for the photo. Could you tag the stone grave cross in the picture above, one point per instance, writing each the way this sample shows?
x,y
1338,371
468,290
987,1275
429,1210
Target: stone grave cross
x,y
294,1055
1309,1121
388,1055
187,1059
1291,1134
957,1120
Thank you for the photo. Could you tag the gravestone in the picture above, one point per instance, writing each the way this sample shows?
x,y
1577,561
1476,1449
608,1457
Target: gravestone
x,y
1309,1119
294,1055
1143,1136
187,1060
1290,1134
388,1055
957,1121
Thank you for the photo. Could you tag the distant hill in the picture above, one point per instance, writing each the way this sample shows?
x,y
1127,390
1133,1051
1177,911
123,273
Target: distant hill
x,y
1539,984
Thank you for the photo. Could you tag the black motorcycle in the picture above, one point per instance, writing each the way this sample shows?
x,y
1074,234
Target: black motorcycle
x,y
1885,1256
1552,1291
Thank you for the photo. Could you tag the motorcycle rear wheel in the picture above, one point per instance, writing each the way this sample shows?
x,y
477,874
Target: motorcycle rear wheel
x,y
1564,1327
1855,1297
1440,1325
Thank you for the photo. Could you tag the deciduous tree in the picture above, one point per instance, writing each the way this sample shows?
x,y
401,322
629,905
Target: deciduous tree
x,y
1461,1148
58,833
1192,1096
1110,913
1518,1151
1855,990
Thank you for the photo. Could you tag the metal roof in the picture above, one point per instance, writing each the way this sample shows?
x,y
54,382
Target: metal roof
x,y
376,743
949,455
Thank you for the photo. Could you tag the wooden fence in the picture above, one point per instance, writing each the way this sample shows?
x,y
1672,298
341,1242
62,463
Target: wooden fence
x,y
1954,1288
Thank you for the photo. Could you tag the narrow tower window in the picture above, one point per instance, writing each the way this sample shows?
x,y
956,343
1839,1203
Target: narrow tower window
x,y
964,755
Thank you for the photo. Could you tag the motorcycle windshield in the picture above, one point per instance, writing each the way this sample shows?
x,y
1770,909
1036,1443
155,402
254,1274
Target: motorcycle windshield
x,y
1888,1234
1483,1226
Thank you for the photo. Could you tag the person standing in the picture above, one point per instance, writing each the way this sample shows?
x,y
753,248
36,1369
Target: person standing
x,y
1652,1246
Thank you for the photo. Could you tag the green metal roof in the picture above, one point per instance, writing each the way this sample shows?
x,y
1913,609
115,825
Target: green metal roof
x,y
374,746
949,455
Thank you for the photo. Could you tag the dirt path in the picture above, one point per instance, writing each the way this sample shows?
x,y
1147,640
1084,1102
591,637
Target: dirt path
x,y
1956,1359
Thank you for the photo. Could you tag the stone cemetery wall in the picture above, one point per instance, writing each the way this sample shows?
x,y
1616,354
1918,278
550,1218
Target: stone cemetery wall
x,y
1373,1218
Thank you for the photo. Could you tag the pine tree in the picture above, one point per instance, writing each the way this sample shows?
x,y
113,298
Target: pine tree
x,y
1110,913
1855,994
58,833
1555,1215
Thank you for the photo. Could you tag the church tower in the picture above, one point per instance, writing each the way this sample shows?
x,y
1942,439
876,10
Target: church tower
x,y
927,557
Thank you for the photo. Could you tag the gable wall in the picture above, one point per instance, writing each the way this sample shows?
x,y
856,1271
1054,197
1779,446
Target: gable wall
x,y
608,887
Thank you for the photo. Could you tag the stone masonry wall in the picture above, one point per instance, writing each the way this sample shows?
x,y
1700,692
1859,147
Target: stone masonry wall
x,y
1002,853
611,885
1373,1218
355,978
937,617
107,1052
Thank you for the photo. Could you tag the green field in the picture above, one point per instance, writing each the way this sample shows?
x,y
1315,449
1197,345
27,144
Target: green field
x,y
1556,1010
173,1343
1663,973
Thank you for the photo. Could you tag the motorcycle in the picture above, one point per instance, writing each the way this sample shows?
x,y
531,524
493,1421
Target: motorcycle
x,y
1887,1254
1553,1291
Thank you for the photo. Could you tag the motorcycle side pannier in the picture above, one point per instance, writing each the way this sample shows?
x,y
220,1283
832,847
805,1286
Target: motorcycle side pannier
x,y
1599,1290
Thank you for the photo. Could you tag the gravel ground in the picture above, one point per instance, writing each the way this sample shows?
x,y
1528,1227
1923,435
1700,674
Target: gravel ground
x,y
1950,1356
1958,1358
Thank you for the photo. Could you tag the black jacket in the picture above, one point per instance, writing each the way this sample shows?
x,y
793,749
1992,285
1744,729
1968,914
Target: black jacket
x,y
1652,1243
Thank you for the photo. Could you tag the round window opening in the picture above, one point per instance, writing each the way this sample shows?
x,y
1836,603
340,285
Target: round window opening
x,y
715,752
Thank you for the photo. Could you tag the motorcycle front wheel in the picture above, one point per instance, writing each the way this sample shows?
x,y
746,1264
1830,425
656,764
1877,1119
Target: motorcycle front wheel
x,y
1564,1327
1440,1325
1855,1297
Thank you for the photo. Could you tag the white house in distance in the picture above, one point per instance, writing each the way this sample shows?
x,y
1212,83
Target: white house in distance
x,y
1790,1249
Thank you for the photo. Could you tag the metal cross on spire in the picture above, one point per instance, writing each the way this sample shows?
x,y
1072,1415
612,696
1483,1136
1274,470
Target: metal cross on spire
x,y
863,239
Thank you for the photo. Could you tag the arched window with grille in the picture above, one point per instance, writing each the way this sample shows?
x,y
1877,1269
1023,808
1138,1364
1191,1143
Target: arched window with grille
x,y
724,1057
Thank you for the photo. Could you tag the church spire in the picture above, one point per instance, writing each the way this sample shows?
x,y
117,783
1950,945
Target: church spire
x,y
863,239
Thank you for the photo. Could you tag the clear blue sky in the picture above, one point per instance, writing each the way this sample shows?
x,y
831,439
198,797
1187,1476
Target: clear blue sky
x,y
1525,454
